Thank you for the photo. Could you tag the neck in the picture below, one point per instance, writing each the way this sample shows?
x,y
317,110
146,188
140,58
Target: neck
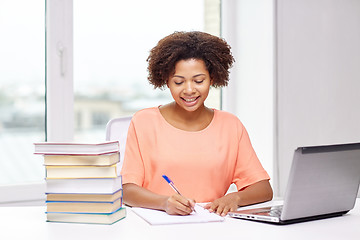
x,y
187,116
185,120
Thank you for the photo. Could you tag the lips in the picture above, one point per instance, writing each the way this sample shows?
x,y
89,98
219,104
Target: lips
x,y
190,101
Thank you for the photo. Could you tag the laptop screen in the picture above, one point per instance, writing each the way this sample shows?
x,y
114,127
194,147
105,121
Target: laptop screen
x,y
322,180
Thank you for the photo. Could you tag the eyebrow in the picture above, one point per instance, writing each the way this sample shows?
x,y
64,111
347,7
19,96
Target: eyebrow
x,y
197,75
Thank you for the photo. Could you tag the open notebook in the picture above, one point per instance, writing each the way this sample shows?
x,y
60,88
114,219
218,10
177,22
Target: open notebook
x,y
156,217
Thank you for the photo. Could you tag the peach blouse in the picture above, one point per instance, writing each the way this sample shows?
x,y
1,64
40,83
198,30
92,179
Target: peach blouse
x,y
202,164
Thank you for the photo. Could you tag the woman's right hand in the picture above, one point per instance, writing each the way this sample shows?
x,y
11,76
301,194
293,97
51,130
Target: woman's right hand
x,y
136,196
179,205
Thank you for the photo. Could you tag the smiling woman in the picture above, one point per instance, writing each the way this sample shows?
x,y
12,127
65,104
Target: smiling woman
x,y
183,136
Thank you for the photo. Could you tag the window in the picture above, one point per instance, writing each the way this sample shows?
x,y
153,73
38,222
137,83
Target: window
x,y
95,70
112,40
22,90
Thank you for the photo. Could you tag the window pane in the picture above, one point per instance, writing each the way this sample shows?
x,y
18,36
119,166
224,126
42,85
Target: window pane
x,y
112,40
22,89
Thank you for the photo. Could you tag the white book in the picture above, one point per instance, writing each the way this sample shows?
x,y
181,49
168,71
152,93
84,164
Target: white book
x,y
84,186
73,148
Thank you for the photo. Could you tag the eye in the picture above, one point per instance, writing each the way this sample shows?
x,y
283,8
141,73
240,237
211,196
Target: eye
x,y
199,80
178,83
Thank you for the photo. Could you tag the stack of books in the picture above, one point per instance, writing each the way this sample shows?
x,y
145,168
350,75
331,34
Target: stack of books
x,y
83,182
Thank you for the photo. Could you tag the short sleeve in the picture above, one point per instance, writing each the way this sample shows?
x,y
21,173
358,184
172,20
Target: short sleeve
x,y
248,169
133,167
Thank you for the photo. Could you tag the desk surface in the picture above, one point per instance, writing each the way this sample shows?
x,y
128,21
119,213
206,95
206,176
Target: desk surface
x,y
29,223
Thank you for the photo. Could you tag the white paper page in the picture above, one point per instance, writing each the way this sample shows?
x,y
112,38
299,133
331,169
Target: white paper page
x,y
156,217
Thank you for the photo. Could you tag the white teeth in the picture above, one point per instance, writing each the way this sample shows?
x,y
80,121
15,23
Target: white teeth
x,y
190,100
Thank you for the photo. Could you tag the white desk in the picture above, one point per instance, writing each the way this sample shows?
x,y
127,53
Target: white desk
x,y
29,223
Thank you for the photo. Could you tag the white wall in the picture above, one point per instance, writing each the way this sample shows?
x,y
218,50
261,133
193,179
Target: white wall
x,y
318,76
247,25
296,80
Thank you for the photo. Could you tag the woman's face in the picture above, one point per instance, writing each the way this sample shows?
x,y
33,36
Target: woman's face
x,y
190,84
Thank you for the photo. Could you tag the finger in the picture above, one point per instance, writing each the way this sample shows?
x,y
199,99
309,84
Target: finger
x,y
174,207
219,210
214,206
189,203
181,199
192,203
225,211
176,211
207,206
184,205
179,211
183,210
233,208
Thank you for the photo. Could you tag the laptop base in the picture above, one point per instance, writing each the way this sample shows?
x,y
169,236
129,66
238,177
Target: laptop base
x,y
292,221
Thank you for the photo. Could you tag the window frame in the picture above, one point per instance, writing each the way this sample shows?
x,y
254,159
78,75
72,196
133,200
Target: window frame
x,y
59,71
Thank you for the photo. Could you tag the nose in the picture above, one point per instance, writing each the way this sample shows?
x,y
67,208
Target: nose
x,y
189,88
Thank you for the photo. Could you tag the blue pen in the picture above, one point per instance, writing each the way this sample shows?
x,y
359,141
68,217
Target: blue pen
x,y
172,185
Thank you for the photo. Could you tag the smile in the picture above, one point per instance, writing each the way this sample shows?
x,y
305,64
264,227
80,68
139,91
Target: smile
x,y
190,99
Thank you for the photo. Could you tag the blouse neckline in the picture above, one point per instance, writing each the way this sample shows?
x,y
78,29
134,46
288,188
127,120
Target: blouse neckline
x,y
181,130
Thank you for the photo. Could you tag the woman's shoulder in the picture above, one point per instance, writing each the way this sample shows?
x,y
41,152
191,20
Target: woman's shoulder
x,y
229,123
146,111
226,117
146,114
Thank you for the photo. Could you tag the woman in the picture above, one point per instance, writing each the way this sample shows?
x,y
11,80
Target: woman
x,y
202,150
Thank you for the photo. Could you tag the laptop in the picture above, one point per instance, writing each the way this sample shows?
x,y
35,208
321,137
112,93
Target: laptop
x,y
323,182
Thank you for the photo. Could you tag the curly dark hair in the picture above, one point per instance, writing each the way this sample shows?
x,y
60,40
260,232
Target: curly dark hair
x,y
214,51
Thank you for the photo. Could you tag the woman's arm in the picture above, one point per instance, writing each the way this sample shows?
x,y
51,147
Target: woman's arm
x,y
137,196
255,193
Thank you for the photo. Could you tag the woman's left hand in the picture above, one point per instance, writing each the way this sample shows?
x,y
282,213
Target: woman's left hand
x,y
223,205
255,193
